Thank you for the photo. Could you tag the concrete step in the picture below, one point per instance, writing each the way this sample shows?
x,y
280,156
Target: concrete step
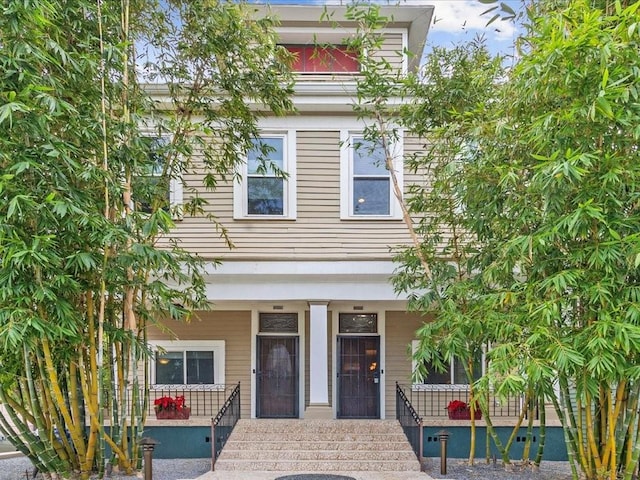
x,y
317,446
300,455
305,444
299,436
319,466
317,426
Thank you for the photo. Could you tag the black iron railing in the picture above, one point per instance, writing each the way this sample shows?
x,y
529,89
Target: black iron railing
x,y
223,423
432,400
410,421
203,400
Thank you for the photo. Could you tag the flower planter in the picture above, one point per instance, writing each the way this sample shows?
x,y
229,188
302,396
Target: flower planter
x,y
464,414
171,414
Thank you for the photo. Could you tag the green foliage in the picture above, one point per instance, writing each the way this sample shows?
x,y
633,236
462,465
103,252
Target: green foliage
x,y
82,273
525,215
569,134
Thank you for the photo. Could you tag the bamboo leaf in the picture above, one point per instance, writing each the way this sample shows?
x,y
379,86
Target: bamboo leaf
x,y
506,8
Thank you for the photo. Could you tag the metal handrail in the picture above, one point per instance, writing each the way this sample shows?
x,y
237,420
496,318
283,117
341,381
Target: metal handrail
x,y
410,422
223,423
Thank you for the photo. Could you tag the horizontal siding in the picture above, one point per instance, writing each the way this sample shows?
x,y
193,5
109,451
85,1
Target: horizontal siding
x,y
391,50
317,233
399,332
235,329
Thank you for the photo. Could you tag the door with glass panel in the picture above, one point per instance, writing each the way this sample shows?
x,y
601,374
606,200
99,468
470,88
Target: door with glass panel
x,y
358,375
277,367
277,377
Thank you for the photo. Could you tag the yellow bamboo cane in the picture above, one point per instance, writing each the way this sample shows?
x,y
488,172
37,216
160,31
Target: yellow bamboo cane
x,y
58,398
613,416
591,439
93,418
62,447
584,454
92,379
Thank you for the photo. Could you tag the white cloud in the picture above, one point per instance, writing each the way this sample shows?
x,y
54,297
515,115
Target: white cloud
x,y
459,16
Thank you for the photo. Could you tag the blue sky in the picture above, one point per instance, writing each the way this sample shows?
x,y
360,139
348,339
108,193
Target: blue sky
x,y
460,20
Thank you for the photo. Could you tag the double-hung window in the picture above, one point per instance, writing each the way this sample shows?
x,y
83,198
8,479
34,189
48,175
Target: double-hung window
x,y
367,187
188,363
267,185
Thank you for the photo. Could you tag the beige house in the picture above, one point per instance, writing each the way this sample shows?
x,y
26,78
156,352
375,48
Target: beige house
x,y
303,312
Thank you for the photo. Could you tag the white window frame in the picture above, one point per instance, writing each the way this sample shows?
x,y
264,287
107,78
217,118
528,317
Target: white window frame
x,y
441,386
215,346
240,190
347,140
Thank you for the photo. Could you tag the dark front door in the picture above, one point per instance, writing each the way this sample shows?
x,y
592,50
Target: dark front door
x,y
277,377
358,377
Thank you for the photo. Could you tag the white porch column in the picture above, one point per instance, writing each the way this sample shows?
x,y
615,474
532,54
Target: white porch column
x,y
318,354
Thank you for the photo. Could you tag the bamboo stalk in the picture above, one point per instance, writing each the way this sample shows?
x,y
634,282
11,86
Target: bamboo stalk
x,y
542,433
93,417
526,452
59,398
592,446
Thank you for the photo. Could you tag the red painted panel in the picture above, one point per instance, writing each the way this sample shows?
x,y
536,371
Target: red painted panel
x,y
331,59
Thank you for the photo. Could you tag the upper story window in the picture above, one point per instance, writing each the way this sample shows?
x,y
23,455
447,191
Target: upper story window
x,y
367,189
324,59
156,185
267,185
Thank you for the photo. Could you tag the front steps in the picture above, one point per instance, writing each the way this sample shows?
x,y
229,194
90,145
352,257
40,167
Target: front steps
x,y
317,446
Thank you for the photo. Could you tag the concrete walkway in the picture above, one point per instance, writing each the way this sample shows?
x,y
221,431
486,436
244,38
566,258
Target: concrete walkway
x,y
243,475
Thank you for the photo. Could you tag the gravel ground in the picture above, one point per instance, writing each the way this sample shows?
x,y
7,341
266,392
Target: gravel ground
x,y
163,469
457,469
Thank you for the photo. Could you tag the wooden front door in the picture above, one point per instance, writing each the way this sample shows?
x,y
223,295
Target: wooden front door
x,y
358,377
277,377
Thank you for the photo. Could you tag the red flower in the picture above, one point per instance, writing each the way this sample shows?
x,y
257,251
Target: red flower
x,y
169,403
457,405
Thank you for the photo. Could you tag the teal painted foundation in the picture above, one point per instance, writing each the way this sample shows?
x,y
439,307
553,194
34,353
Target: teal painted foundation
x,y
180,442
460,437
195,442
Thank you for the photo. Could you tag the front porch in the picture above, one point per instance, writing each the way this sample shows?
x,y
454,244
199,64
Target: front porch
x,y
194,438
